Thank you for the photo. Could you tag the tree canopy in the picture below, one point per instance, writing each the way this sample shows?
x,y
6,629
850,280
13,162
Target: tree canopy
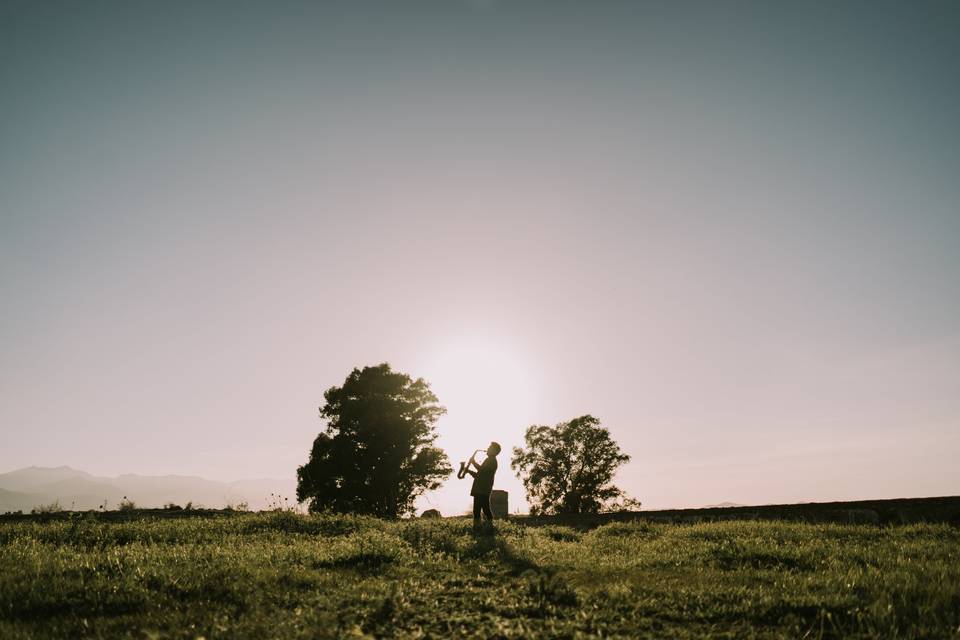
x,y
376,455
569,468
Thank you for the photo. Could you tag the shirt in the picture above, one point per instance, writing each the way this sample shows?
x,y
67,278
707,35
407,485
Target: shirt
x,y
483,481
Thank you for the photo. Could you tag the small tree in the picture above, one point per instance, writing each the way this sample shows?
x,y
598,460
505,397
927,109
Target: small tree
x,y
569,468
376,455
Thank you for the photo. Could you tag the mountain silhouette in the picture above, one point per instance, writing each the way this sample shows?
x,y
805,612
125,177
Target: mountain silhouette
x,y
30,487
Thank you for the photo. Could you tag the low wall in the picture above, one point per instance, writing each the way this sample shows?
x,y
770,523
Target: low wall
x,y
879,512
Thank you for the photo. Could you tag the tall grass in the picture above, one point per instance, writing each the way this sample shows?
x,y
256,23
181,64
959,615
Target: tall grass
x,y
286,575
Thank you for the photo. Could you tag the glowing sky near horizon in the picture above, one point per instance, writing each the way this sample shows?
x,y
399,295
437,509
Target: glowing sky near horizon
x,y
731,231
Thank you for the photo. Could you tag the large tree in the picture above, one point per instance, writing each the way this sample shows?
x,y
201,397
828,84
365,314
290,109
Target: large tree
x,y
376,454
569,468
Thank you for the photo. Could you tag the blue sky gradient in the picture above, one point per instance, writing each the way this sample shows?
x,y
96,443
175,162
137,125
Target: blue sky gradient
x,y
728,230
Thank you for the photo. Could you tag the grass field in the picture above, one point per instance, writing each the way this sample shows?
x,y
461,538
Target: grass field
x,y
283,575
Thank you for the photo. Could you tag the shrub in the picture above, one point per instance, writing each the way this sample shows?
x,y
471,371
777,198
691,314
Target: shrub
x,y
53,507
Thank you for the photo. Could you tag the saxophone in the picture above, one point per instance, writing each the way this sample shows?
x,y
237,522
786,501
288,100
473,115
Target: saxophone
x,y
465,466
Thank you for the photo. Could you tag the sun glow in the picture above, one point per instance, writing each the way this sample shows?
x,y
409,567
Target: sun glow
x,y
491,393
487,388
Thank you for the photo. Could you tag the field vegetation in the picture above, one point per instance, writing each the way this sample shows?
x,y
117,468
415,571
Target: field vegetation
x,y
286,575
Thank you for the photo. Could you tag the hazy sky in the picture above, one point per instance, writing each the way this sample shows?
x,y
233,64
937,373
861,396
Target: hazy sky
x,y
729,230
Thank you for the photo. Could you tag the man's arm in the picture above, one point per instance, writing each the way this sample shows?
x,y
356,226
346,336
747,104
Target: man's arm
x,y
487,468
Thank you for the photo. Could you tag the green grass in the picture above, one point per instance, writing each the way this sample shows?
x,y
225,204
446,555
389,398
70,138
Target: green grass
x,y
283,575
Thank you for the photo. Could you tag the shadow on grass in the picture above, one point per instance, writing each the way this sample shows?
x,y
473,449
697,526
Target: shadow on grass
x,y
490,546
545,589
363,562
29,610
734,557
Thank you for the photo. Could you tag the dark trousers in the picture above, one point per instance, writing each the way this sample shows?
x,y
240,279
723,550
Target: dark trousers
x,y
482,503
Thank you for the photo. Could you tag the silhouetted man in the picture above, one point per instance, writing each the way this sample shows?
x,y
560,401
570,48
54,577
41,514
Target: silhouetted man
x,y
483,485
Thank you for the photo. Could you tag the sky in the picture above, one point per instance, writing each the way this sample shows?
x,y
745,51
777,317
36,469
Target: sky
x,y
730,231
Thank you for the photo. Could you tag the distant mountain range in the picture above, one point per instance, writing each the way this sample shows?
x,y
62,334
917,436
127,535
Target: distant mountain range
x,y
723,505
31,487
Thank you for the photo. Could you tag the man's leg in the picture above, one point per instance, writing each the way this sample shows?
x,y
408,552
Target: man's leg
x,y
477,507
485,507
